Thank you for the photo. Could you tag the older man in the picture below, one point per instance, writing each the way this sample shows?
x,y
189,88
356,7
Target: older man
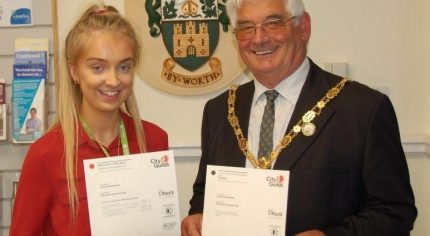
x,y
348,173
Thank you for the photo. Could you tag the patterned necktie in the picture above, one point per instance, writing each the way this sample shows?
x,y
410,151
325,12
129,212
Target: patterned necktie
x,y
266,129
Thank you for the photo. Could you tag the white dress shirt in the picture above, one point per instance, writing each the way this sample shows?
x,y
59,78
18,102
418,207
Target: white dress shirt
x,y
289,91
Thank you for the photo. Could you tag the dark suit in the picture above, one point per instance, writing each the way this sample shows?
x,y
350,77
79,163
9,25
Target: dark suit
x,y
349,178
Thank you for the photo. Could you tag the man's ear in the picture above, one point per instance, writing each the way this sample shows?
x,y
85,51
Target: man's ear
x,y
305,26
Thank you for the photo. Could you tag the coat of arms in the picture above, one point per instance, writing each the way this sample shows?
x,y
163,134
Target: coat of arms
x,y
190,31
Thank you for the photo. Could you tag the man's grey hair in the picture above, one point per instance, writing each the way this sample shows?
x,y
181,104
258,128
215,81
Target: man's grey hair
x,y
294,7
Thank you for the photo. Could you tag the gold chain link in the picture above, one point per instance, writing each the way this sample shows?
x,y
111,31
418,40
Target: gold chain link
x,y
308,117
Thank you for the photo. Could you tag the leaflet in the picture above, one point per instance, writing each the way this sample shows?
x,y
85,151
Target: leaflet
x,y
30,74
133,195
28,99
245,201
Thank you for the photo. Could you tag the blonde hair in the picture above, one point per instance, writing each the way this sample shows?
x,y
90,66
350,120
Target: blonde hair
x,y
69,94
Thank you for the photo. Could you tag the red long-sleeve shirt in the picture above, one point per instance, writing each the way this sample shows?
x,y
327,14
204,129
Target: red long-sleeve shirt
x,y
42,202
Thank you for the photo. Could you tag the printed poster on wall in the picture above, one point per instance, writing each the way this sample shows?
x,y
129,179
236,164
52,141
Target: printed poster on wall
x,y
16,13
28,89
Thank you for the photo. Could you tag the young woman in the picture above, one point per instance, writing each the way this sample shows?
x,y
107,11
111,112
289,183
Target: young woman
x,y
97,117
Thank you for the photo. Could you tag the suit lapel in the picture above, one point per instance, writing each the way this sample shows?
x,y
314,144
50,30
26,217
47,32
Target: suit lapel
x,y
314,88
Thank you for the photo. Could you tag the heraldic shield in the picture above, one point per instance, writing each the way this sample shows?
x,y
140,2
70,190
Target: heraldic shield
x,y
186,43
190,30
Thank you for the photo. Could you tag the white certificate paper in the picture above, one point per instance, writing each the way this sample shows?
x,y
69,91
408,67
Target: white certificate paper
x,y
133,195
245,201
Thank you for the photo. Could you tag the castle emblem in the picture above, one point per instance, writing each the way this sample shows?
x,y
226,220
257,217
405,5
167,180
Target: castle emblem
x,y
190,42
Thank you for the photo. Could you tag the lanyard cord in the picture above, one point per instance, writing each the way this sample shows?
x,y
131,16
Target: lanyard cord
x,y
122,134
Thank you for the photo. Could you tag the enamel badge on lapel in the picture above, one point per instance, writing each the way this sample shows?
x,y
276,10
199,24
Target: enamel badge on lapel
x,y
308,128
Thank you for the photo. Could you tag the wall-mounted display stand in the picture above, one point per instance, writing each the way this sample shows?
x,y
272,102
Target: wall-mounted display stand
x,y
43,25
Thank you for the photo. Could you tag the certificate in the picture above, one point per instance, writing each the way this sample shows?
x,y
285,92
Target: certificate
x,y
245,201
133,195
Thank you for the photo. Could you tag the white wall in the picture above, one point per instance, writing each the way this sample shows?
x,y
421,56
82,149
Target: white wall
x,y
386,43
419,166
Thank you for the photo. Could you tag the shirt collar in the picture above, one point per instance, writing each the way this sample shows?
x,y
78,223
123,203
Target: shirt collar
x,y
289,88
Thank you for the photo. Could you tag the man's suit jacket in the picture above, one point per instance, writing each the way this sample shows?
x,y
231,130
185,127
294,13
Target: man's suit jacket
x,y
349,178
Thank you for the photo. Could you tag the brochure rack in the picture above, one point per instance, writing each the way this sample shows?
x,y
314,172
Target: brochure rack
x,y
43,25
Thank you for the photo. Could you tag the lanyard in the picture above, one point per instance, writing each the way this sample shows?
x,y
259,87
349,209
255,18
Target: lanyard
x,y
122,134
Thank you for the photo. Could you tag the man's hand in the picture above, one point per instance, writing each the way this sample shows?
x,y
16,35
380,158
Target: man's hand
x,y
192,225
311,233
